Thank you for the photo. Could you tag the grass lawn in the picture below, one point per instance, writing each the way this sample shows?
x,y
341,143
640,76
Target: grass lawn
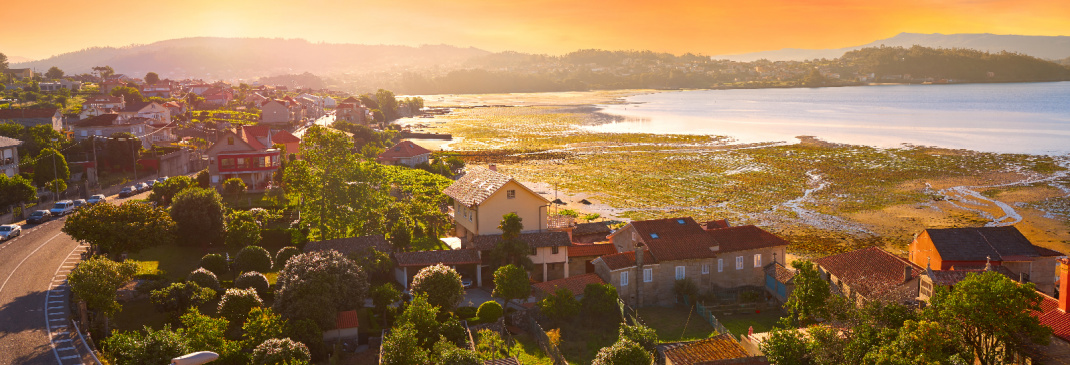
x,y
528,352
137,314
175,261
673,323
739,323
580,342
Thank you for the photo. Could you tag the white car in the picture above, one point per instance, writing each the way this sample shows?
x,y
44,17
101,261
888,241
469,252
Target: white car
x,y
62,207
10,231
99,198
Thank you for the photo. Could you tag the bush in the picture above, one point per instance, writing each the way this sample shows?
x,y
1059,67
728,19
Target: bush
x,y
178,297
281,351
233,186
254,280
489,311
465,312
253,258
204,278
640,334
441,284
242,233
316,285
237,303
623,352
215,263
284,255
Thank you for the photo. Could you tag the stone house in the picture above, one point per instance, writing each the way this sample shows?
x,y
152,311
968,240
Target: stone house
x,y
681,249
872,274
976,247
581,256
549,252
467,262
1054,313
105,125
275,112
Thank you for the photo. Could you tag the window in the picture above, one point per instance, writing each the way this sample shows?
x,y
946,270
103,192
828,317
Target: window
x,y
679,221
98,132
623,278
705,268
757,260
533,252
739,262
227,162
85,133
230,140
648,275
653,235
241,162
680,272
510,194
720,265
554,250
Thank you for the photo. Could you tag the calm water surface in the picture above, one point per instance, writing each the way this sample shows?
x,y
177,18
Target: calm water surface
x,y
1031,118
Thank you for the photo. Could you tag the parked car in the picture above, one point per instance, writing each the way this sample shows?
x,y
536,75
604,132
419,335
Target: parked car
x,y
39,216
62,208
466,282
99,198
162,179
9,231
127,191
79,203
142,187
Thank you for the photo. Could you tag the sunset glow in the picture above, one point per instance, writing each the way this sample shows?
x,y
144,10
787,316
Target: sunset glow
x,y
538,26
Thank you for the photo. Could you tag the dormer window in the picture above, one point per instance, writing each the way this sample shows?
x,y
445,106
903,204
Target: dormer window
x,y
653,235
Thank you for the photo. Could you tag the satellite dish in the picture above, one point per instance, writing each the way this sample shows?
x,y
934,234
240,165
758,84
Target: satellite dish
x,y
195,358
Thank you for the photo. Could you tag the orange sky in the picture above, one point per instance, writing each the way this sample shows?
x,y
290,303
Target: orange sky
x,y
48,27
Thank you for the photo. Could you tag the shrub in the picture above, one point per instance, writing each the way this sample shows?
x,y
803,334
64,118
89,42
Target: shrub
x,y
253,258
204,278
465,312
180,296
237,303
215,263
281,351
254,280
242,233
316,285
640,334
233,186
284,255
489,311
441,284
623,352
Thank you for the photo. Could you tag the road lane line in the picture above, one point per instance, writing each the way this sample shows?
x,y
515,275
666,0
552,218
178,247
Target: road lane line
x,y
24,261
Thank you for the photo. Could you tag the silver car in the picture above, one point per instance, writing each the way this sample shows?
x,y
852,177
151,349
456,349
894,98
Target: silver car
x,y
99,198
9,231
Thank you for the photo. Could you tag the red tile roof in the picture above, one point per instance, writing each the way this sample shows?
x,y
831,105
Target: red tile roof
x,y
403,149
1051,316
577,250
283,137
476,185
744,238
27,113
871,272
723,223
575,284
780,272
720,347
984,243
626,259
347,319
676,239
428,258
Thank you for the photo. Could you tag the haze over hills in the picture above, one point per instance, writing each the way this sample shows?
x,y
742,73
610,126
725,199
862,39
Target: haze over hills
x,y
1046,47
247,58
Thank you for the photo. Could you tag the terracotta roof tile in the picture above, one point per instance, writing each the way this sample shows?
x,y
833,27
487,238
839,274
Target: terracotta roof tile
x,y
981,243
347,319
283,137
723,223
533,239
721,347
428,258
676,239
626,259
584,229
780,272
97,121
350,245
403,149
1051,316
27,113
871,272
952,277
578,250
476,186
575,284
745,238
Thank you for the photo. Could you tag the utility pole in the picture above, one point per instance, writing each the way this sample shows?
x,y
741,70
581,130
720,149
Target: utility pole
x,y
55,173
133,154
95,167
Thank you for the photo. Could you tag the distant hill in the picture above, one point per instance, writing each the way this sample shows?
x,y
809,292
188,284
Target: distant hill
x,y
249,58
1046,47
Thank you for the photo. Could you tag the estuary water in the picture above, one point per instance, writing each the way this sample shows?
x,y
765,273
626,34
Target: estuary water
x,y
1030,118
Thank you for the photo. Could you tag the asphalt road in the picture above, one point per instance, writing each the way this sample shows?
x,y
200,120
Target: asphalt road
x,y
30,265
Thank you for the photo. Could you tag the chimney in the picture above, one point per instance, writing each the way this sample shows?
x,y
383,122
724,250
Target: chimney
x,y
906,273
1064,285
493,167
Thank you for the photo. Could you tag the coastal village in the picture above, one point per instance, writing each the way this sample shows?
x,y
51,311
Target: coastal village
x,y
337,236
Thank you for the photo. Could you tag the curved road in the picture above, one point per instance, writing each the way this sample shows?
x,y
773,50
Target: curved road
x,y
31,265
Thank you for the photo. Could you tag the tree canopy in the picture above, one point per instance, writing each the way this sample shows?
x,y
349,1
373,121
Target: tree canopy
x,y
317,285
97,280
441,284
511,282
128,227
50,165
198,216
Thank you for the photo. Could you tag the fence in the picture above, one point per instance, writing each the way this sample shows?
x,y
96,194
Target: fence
x,y
705,313
543,340
629,314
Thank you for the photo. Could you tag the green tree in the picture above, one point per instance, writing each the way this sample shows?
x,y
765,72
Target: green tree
x,y
559,306
204,333
282,351
262,325
382,297
179,297
56,185
54,73
97,280
511,282
317,285
152,78
50,165
441,284
388,104
447,353
104,71
786,347
624,352
511,250
284,255
215,263
130,94
16,190
401,235
234,186
198,216
489,311
490,345
253,280
401,347
808,299
422,316
204,278
164,192
242,233
644,336
600,302
918,342
378,265
203,179
990,315
236,304
128,227
147,346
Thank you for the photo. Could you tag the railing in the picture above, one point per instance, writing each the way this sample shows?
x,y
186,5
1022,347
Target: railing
x,y
705,313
